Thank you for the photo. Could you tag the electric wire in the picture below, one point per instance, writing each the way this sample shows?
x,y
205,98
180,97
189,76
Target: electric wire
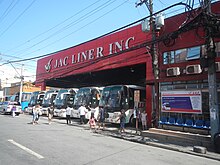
x,y
17,18
85,16
49,44
60,38
67,19
37,57
77,29
82,27
48,30
8,10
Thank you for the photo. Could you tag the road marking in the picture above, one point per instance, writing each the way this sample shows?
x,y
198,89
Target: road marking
x,y
26,149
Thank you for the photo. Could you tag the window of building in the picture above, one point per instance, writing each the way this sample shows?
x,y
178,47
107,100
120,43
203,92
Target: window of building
x,y
168,57
181,55
193,53
217,49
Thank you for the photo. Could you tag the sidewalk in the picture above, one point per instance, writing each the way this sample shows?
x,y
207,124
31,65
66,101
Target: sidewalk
x,y
131,135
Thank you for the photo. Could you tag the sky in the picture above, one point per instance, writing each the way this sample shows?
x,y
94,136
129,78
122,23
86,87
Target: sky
x,y
32,28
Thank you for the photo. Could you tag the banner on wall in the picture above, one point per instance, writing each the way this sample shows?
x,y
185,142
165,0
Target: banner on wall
x,y
181,101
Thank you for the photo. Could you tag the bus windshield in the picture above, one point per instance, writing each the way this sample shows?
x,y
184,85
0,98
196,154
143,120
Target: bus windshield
x,y
82,96
36,98
14,98
61,96
49,97
33,99
111,97
87,96
40,98
25,97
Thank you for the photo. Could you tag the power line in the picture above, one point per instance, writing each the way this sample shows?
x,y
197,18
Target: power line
x,y
62,22
76,30
85,16
8,10
121,28
13,56
58,31
19,16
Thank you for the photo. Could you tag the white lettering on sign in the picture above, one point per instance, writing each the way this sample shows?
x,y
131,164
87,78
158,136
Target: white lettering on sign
x,y
119,46
99,51
90,54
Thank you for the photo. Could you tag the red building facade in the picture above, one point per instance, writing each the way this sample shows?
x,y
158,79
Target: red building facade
x,y
120,58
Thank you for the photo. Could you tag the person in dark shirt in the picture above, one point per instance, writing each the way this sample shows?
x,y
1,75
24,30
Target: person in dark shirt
x,y
122,119
101,117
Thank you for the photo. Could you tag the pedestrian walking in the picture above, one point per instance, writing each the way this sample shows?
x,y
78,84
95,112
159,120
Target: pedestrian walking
x,y
101,117
136,116
13,110
50,114
82,111
35,113
122,119
153,120
68,113
39,113
92,123
144,120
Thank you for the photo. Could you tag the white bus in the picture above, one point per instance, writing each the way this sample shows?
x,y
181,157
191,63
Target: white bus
x,y
36,98
89,97
64,97
117,97
48,100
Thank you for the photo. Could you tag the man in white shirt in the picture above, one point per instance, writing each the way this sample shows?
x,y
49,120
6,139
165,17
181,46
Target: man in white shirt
x,y
82,111
68,114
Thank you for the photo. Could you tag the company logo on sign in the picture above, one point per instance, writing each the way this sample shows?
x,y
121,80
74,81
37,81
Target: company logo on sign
x,y
90,54
48,66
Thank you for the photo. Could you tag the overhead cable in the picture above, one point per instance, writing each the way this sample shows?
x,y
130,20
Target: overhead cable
x,y
121,28
17,18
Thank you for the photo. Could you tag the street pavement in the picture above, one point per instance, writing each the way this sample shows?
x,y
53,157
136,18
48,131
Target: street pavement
x,y
131,135
23,143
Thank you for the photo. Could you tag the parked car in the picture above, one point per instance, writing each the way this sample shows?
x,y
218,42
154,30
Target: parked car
x,y
6,107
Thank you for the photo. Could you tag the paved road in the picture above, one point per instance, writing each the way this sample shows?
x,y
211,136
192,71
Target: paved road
x,y
22,143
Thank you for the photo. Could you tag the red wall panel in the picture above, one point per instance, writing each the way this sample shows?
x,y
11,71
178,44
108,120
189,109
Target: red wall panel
x,y
106,58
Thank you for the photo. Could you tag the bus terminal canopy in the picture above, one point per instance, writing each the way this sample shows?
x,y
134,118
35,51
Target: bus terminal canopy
x,y
117,58
127,75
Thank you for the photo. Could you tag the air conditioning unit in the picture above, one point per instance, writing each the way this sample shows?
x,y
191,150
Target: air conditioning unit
x,y
175,71
217,66
193,69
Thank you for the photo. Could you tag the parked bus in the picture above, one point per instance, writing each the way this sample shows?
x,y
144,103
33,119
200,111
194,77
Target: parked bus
x,y
117,97
48,100
64,97
89,97
36,98
25,98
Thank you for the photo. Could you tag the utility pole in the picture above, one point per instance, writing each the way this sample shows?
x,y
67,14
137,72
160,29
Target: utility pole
x,y
154,54
21,85
21,77
211,56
